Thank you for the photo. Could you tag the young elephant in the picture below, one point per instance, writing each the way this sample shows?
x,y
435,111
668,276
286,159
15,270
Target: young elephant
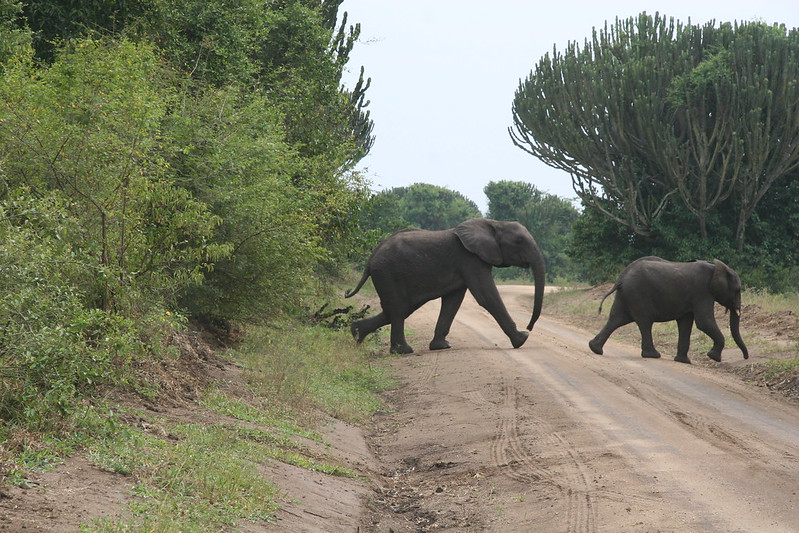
x,y
652,289
414,266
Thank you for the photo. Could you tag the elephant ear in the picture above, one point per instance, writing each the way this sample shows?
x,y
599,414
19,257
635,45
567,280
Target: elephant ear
x,y
724,284
479,236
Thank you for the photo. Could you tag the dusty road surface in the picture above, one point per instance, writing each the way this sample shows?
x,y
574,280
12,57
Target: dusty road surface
x,y
552,438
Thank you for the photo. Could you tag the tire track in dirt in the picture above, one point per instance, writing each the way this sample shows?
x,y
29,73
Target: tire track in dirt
x,y
507,450
570,476
682,419
430,368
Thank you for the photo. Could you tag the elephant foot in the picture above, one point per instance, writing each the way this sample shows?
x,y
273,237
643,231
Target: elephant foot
x,y
654,354
519,338
439,344
716,356
401,349
683,359
356,332
595,346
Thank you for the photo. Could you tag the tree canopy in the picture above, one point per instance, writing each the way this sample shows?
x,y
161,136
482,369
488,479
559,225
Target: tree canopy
x,y
651,113
420,205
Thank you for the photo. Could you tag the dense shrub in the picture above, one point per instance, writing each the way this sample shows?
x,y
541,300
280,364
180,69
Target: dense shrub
x,y
53,349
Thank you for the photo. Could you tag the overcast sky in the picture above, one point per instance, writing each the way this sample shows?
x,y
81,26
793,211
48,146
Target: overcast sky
x,y
444,73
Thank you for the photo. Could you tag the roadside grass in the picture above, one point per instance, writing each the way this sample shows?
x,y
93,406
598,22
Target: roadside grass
x,y
772,302
777,303
207,472
199,477
24,450
320,370
196,478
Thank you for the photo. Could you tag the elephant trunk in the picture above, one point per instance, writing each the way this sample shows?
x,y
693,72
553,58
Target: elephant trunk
x,y
538,267
735,321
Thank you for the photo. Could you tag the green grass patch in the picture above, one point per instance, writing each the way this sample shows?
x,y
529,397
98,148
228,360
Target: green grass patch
x,y
24,450
201,478
263,412
313,368
210,476
782,366
574,301
771,302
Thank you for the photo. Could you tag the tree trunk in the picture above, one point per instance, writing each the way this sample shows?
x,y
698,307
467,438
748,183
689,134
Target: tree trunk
x,y
703,226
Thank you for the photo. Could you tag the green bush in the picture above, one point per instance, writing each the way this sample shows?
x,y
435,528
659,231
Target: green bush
x,y
87,129
53,349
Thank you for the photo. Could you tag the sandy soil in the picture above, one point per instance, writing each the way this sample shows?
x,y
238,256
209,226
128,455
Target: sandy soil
x,y
546,438
551,437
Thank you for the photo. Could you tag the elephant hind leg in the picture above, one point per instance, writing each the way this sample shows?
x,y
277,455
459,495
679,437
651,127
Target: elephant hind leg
x,y
361,328
684,325
450,303
618,318
647,344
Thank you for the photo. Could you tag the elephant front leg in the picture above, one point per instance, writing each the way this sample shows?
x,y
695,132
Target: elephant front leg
x,y
707,323
398,343
488,298
450,303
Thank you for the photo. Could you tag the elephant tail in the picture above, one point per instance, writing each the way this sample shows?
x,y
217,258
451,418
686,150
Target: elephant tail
x,y
611,291
353,292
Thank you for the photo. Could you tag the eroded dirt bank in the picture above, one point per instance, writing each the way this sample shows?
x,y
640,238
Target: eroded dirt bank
x,y
553,438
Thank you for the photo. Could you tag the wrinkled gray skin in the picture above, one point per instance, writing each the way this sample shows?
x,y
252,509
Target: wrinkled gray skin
x,y
652,289
414,266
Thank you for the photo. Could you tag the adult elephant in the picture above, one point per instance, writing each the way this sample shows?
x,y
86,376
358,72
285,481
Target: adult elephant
x,y
652,289
413,266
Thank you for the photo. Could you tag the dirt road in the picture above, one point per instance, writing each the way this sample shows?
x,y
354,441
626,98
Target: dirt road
x,y
552,438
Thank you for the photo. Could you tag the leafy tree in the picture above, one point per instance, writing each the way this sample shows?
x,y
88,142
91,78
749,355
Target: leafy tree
x,y
589,112
87,130
162,155
507,199
548,218
54,21
650,113
770,256
293,50
15,41
289,55
229,149
424,206
600,248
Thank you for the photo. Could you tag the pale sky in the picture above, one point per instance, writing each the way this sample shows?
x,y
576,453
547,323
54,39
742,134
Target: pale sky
x,y
444,73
